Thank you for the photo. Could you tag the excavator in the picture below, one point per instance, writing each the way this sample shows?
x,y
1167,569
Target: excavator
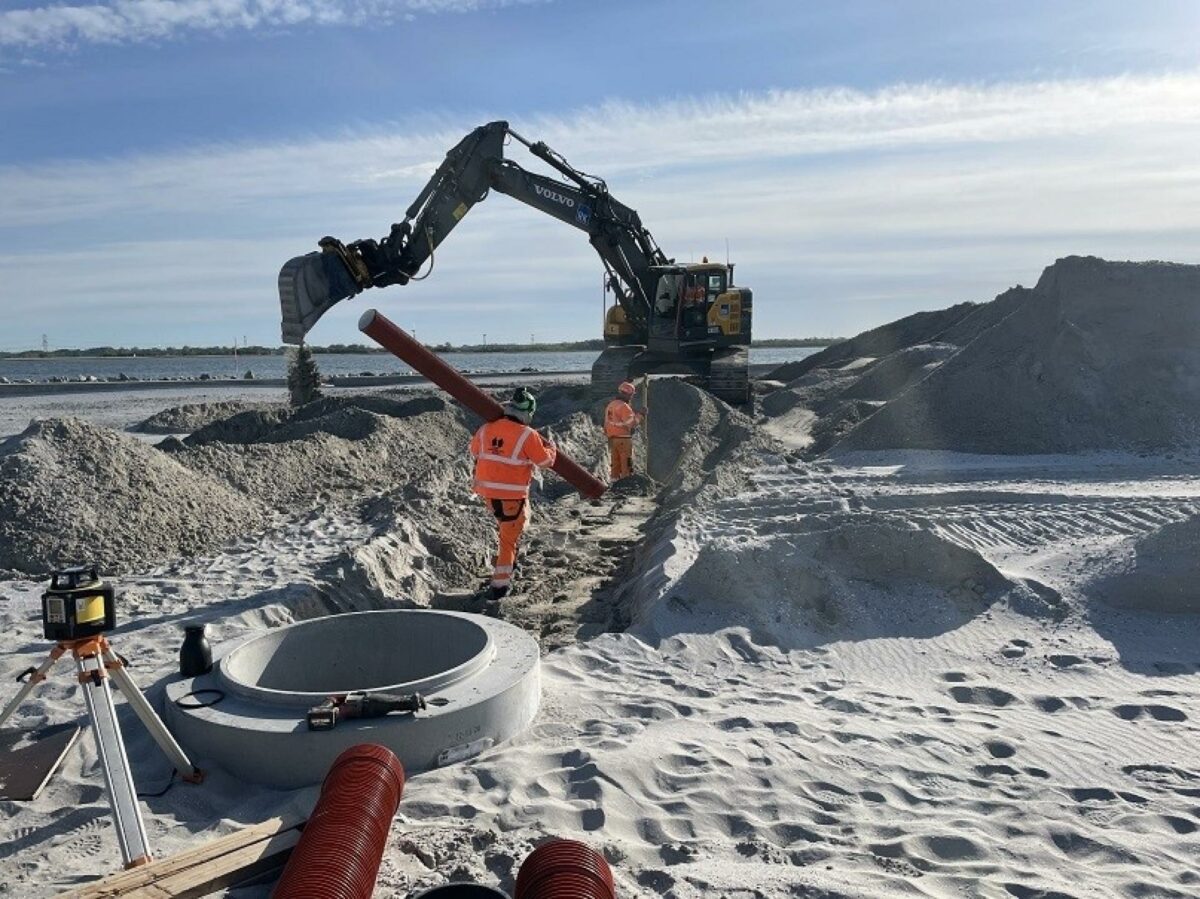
x,y
667,317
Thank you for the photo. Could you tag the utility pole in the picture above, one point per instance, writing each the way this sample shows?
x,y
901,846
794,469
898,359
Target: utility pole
x,y
45,344
485,339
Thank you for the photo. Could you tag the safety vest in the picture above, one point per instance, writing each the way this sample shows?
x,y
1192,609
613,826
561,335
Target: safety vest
x,y
619,419
506,453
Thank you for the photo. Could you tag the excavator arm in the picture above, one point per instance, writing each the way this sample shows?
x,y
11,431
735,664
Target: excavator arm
x,y
310,285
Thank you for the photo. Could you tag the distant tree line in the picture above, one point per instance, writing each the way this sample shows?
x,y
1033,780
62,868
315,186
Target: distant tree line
x,y
355,349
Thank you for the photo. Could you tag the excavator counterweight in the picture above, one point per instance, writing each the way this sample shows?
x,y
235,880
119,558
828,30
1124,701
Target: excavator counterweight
x,y
668,317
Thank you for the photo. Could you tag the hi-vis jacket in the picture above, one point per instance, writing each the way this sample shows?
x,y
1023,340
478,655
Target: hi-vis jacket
x,y
506,453
619,419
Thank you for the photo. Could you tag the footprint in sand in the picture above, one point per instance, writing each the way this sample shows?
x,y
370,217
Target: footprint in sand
x,y
1157,712
1065,661
1049,704
990,696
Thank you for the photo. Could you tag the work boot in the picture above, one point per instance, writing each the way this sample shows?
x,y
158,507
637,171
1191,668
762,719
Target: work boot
x,y
498,593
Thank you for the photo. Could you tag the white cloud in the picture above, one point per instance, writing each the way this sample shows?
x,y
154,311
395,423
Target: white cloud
x,y
129,21
843,208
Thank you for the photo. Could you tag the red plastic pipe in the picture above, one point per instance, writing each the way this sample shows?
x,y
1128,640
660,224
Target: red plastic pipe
x,y
565,869
341,846
401,344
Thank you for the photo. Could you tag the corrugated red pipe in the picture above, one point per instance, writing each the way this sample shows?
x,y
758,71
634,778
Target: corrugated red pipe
x,y
342,844
565,869
404,346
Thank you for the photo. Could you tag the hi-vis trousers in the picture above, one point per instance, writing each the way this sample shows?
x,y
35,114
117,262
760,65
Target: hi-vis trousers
x,y
511,517
621,452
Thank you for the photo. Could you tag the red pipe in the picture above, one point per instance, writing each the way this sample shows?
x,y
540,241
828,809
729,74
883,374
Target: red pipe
x,y
341,846
565,869
402,345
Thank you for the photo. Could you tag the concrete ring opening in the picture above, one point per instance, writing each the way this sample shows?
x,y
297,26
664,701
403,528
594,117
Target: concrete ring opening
x,y
306,662
479,676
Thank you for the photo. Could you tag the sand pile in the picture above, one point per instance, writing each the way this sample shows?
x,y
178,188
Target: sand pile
x,y
1161,575
193,416
1099,355
854,581
342,450
921,327
690,432
73,492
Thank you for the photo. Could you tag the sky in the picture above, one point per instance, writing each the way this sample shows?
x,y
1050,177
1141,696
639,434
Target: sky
x,y
861,160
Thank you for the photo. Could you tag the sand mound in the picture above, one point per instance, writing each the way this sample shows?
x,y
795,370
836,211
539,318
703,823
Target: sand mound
x,y
343,452
855,581
919,328
1100,355
73,492
690,432
329,415
193,416
1162,575
894,374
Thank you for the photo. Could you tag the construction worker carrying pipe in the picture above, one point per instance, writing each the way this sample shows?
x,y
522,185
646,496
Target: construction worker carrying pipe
x,y
620,421
507,451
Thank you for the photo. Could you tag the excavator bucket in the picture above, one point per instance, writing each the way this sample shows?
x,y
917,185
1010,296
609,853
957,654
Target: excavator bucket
x,y
309,286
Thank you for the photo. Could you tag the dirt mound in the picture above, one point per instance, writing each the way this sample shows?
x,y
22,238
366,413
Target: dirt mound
x,y
193,416
1161,575
1099,355
855,581
74,492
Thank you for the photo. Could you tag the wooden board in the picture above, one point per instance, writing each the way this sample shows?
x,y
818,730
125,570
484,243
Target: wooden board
x,y
29,758
226,861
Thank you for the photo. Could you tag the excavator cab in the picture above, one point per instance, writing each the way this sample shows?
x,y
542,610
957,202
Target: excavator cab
x,y
697,306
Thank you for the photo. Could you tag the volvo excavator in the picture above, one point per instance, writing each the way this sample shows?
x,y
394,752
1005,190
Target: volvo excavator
x,y
667,317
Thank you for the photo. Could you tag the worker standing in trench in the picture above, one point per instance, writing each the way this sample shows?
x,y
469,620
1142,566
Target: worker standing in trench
x,y
620,421
506,453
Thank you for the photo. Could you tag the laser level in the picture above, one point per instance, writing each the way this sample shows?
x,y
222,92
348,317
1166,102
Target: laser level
x,y
76,610
78,604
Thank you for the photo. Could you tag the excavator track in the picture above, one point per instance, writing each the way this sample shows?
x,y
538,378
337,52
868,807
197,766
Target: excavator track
x,y
729,376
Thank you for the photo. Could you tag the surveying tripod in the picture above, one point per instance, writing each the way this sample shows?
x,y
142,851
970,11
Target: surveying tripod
x,y
96,662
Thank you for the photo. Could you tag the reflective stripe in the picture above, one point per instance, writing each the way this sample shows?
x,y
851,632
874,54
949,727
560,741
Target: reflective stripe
x,y
516,453
503,460
500,581
517,489
502,569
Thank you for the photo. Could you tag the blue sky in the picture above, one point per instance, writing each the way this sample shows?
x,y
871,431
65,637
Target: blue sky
x,y
160,159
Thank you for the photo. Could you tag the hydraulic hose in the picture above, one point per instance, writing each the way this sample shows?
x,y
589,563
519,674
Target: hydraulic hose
x,y
565,869
341,846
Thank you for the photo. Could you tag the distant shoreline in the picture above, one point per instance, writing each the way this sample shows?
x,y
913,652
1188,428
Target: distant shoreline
x,y
352,349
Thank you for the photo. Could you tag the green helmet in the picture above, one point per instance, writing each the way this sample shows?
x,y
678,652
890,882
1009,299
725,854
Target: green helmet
x,y
522,406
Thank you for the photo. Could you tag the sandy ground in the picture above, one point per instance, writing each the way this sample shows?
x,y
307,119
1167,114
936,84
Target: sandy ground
x,y
877,674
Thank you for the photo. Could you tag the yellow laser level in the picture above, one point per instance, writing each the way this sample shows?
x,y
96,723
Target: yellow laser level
x,y
78,604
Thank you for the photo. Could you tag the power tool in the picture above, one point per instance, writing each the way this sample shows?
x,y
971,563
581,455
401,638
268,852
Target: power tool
x,y
361,705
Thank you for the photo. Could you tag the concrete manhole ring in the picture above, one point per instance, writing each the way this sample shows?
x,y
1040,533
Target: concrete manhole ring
x,y
479,676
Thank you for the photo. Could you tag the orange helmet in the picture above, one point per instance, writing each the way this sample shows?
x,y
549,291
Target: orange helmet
x,y
626,389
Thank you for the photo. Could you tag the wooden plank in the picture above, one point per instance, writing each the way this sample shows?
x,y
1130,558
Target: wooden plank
x,y
124,882
234,867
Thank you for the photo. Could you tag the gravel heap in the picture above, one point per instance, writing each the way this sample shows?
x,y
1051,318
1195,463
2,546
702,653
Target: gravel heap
x,y
72,492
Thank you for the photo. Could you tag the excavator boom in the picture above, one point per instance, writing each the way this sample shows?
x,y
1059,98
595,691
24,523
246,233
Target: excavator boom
x,y
666,314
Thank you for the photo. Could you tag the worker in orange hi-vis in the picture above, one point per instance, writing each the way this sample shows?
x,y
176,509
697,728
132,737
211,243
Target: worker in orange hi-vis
x,y
506,453
620,421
